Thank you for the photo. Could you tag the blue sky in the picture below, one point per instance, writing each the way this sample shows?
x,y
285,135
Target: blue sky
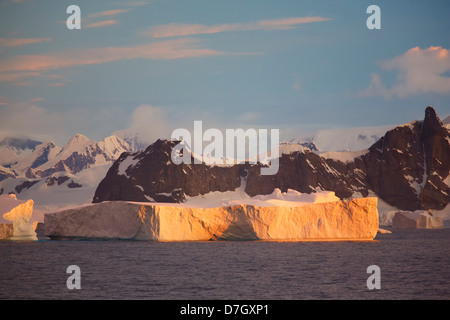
x,y
158,65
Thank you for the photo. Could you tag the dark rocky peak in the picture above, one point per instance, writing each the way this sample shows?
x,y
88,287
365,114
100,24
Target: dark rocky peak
x,y
432,124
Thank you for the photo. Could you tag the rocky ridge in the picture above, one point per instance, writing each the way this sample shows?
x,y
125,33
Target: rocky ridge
x,y
408,168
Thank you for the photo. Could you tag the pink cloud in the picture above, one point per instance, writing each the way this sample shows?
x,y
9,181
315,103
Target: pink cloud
x,y
15,68
3,101
289,23
38,99
24,78
57,84
133,3
16,42
100,24
108,13
419,71
182,29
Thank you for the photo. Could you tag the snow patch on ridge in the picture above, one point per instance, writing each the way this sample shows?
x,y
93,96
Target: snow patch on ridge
x,y
129,161
343,156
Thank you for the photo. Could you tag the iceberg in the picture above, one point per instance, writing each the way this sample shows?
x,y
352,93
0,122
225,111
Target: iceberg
x,y
19,214
418,219
344,220
6,230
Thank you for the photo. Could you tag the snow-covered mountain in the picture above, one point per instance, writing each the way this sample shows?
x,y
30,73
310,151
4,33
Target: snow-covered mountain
x,y
446,122
12,149
78,154
56,177
41,154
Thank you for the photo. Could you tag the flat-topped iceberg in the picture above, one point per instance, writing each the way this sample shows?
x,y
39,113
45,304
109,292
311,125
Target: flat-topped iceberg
x,y
355,219
418,219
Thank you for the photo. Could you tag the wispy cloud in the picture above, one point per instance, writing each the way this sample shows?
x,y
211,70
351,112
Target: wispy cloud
x,y
89,22
37,99
99,24
26,118
3,101
17,42
15,68
132,3
183,29
31,118
419,71
108,13
24,78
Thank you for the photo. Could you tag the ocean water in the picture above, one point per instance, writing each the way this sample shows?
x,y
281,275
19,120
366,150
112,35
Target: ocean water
x,y
414,264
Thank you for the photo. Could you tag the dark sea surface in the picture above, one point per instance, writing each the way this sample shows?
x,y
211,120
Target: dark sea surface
x,y
414,264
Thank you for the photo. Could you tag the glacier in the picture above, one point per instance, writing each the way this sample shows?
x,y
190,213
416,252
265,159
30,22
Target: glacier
x,y
344,220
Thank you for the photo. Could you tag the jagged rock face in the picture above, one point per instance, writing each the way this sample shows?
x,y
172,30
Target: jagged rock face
x,y
407,168
394,166
305,172
436,141
150,175
5,173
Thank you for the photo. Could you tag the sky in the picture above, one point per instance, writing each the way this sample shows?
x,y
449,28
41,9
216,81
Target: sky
x,y
156,65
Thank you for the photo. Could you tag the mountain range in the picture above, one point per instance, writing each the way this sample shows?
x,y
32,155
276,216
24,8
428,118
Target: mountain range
x,y
33,159
405,166
56,176
408,167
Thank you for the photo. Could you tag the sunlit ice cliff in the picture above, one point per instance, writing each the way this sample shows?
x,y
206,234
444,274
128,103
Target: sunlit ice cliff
x,y
290,216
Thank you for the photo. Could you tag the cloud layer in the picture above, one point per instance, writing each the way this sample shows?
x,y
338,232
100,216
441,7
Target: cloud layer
x,y
16,68
183,29
17,42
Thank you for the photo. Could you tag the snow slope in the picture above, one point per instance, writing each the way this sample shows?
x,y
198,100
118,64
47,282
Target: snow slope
x,y
52,197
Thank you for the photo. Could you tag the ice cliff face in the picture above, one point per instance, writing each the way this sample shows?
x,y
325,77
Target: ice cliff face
x,y
338,220
408,168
